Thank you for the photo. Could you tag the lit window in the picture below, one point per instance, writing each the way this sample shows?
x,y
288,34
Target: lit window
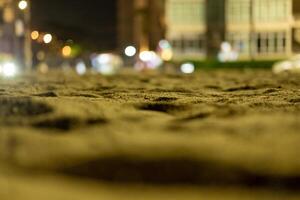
x,y
182,12
238,11
271,10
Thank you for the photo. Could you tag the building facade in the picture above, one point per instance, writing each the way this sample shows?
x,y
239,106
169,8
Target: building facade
x,y
15,32
296,27
256,29
260,29
186,27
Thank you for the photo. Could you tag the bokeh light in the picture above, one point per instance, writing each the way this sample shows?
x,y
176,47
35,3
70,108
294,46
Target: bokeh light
x,y
35,35
167,54
147,56
81,68
9,69
187,68
47,38
149,60
66,51
130,51
23,4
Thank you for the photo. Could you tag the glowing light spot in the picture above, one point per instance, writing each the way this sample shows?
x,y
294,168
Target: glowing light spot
x,y
147,55
9,69
106,63
149,60
167,55
66,51
19,28
164,44
47,38
23,5
226,47
35,35
130,51
81,68
187,68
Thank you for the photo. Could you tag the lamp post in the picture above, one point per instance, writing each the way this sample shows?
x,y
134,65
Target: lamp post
x,y
22,46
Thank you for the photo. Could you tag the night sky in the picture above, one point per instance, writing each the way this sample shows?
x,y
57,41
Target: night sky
x,y
91,23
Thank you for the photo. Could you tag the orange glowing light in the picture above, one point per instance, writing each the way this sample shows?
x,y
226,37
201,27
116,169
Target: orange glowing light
x,y
66,51
35,35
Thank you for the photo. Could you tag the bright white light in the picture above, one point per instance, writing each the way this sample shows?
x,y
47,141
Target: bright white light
x,y
147,56
226,47
227,53
81,68
23,5
47,38
106,70
187,68
9,69
104,58
130,51
106,63
149,60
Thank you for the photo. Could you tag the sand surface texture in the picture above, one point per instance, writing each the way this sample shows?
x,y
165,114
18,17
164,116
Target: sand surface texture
x,y
212,135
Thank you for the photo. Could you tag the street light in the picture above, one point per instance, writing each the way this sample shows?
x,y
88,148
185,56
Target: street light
x,y
130,51
66,51
47,38
23,5
35,35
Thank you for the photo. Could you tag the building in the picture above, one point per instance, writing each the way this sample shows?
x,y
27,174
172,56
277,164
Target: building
x,y
260,29
186,27
256,29
14,31
140,23
296,28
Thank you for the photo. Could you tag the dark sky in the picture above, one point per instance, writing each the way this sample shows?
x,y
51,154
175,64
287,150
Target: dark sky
x,y
89,22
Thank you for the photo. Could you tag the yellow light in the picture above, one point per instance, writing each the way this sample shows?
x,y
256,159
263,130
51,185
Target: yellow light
x,y
35,35
23,5
66,51
167,55
47,38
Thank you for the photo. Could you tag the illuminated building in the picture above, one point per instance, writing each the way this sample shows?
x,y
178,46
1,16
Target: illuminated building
x,y
256,29
15,34
260,28
186,27
296,28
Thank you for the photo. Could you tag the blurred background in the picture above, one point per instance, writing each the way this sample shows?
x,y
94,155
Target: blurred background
x,y
90,36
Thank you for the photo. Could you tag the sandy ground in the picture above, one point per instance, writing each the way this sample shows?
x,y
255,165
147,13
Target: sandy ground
x,y
212,135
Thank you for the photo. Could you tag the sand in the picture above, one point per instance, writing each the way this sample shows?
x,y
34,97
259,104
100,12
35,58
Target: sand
x,y
223,134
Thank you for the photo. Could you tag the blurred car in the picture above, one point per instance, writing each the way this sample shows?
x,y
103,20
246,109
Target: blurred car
x,y
291,65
